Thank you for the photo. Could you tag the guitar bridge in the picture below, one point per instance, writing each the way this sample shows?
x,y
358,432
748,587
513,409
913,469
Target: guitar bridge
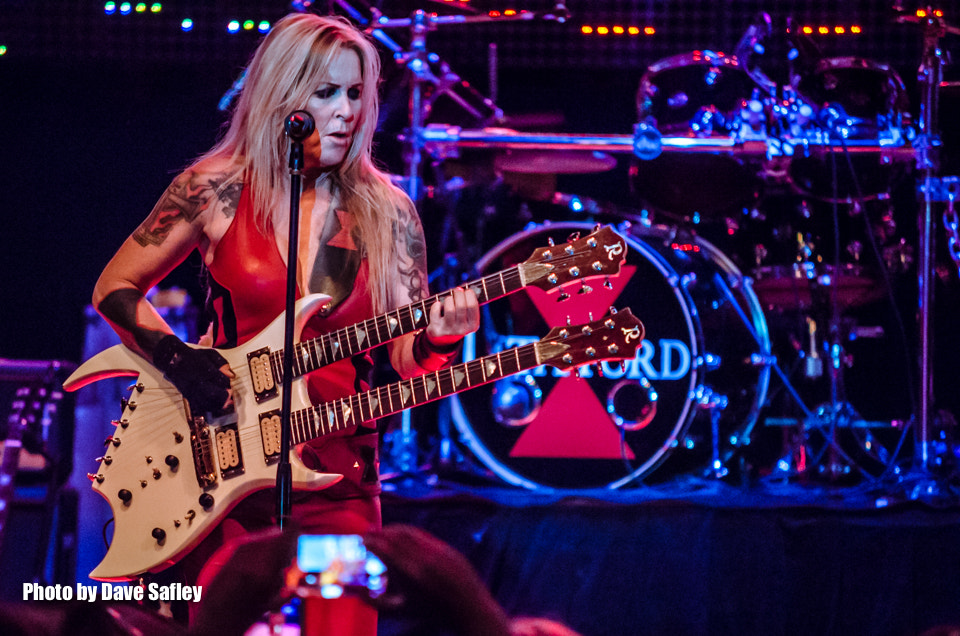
x,y
261,375
203,460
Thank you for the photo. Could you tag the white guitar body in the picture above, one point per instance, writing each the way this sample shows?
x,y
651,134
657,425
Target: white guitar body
x,y
149,471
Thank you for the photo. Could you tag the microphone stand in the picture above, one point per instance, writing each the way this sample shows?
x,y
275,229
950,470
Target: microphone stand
x,y
299,125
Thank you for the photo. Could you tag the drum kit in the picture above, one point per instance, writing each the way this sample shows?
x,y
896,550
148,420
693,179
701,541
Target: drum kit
x,y
762,223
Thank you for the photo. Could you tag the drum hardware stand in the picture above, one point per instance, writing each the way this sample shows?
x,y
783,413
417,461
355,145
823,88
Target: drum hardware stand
x,y
708,400
767,358
920,482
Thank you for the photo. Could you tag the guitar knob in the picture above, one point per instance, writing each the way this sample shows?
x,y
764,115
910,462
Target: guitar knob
x,y
125,495
158,534
172,461
206,500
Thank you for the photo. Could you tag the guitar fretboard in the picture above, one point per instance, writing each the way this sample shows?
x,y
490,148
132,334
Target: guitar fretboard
x,y
314,353
332,416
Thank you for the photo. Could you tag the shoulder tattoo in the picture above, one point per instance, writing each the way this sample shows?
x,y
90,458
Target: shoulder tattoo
x,y
183,200
411,236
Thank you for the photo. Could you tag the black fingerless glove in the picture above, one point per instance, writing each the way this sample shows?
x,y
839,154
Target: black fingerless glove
x,y
196,374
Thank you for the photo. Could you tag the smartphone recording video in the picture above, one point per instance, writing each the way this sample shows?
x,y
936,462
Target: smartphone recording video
x,y
333,565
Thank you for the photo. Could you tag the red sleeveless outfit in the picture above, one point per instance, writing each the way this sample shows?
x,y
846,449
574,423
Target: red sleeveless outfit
x,y
247,292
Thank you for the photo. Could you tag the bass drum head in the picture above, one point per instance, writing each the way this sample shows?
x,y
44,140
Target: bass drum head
x,y
547,430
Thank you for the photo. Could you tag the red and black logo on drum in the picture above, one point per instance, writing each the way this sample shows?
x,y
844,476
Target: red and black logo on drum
x,y
616,424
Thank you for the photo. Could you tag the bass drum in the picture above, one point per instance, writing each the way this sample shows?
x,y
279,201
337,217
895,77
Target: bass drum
x,y
703,362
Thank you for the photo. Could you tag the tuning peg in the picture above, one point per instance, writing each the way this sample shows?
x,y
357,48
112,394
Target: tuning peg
x,y
607,284
573,237
612,311
569,322
596,227
138,386
550,241
585,289
563,296
589,316
599,369
576,373
623,366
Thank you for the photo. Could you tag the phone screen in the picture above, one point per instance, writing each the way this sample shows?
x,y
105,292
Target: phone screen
x,y
332,565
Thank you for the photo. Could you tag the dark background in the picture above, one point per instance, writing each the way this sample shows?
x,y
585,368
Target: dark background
x,y
98,112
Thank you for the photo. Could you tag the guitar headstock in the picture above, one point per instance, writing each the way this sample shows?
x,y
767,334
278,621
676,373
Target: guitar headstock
x,y
601,253
615,337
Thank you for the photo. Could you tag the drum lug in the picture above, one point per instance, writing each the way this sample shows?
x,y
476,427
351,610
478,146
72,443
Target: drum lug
x,y
708,362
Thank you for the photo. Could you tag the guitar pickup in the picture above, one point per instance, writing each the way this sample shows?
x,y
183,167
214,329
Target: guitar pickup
x,y
270,435
229,455
262,377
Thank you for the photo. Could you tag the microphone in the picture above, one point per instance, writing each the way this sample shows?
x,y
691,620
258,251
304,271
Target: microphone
x,y
299,125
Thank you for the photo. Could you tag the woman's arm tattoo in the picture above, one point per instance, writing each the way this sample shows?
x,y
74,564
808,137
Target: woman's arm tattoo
x,y
413,276
120,308
183,200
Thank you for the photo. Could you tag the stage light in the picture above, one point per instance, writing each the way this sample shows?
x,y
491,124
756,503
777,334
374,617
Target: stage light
x,y
110,8
233,26
186,24
3,49
125,8
263,27
248,25
156,7
141,7
837,29
589,29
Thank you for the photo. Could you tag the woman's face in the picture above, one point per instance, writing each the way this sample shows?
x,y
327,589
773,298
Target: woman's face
x,y
335,107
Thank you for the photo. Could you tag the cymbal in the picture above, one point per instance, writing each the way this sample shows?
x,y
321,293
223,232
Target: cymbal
x,y
554,161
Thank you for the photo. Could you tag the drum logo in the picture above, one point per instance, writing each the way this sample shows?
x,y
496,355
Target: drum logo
x,y
674,360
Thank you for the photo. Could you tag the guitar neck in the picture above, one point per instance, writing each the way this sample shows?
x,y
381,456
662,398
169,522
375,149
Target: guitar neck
x,y
343,343
332,416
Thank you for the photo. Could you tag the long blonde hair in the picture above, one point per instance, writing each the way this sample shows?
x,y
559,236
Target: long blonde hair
x,y
285,70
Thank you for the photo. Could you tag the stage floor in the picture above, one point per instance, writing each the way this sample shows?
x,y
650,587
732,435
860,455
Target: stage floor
x,y
697,556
